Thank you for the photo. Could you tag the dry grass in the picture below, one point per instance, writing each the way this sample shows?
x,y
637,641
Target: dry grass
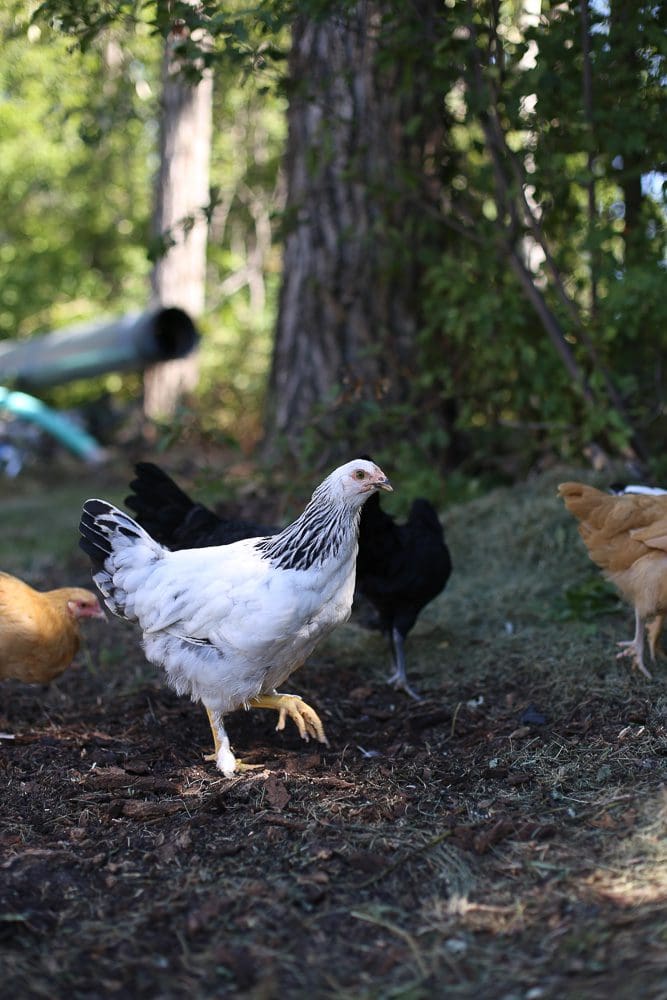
x,y
505,838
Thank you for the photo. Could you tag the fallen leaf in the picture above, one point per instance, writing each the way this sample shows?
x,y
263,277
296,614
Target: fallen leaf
x,y
145,809
298,763
366,861
604,822
137,767
360,693
501,829
518,779
276,793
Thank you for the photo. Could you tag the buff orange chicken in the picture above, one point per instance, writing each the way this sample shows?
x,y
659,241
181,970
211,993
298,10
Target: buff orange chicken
x,y
39,630
626,536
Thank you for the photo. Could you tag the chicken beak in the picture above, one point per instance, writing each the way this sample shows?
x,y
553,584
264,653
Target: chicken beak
x,y
89,611
384,484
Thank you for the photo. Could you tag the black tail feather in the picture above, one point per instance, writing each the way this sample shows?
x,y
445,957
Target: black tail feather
x,y
153,486
172,518
93,541
160,506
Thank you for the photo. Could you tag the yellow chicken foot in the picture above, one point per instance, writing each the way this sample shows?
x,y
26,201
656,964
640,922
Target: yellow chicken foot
x,y
634,648
239,765
305,718
222,754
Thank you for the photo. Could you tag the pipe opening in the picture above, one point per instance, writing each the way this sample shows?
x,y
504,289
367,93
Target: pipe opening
x,y
174,335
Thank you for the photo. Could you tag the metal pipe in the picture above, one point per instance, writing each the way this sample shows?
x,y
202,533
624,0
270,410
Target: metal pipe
x,y
126,344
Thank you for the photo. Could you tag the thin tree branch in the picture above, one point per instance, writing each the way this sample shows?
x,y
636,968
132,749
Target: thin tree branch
x,y
551,325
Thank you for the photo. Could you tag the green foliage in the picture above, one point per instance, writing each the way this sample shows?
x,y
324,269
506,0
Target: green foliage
x,y
73,198
523,161
587,601
80,126
87,21
521,128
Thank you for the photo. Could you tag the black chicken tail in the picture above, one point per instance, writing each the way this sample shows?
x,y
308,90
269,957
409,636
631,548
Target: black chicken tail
x,y
161,507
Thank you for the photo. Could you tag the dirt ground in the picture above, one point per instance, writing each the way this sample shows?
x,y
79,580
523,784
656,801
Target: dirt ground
x,y
503,838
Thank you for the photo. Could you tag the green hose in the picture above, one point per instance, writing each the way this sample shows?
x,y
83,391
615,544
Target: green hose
x,y
28,408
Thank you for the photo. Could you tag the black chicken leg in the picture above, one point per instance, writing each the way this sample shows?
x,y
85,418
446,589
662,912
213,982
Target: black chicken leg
x,y
399,678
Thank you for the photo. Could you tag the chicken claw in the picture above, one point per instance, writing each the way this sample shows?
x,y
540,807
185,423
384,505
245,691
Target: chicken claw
x,y
634,648
400,683
637,656
399,678
304,717
239,765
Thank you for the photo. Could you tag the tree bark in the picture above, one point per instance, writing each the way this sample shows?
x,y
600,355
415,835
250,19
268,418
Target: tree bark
x,y
349,304
623,42
180,221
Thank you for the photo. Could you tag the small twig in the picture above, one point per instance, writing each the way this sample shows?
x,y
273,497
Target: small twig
x,y
275,819
151,710
399,932
454,718
415,852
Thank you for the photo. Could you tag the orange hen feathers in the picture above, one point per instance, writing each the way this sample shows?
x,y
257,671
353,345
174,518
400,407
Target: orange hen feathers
x,y
39,631
626,536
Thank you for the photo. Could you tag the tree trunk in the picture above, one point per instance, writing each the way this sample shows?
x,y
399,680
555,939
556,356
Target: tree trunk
x,y
623,39
349,303
180,220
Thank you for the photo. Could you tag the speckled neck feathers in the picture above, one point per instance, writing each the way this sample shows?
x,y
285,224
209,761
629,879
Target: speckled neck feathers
x,y
323,531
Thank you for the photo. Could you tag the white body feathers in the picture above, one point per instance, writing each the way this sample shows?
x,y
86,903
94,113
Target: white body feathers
x,y
223,622
230,622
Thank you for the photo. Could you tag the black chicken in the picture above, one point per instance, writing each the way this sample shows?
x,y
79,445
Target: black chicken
x,y
172,518
400,567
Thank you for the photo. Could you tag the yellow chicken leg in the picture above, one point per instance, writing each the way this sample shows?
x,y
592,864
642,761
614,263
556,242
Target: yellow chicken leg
x,y
216,737
305,718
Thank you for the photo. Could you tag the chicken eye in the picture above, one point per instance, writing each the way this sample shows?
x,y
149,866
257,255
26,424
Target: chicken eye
x,y
360,474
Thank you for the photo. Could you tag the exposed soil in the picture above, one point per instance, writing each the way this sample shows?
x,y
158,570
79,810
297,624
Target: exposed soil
x,y
503,838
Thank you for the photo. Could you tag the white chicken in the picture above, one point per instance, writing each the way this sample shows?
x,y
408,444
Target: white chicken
x,y
230,623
